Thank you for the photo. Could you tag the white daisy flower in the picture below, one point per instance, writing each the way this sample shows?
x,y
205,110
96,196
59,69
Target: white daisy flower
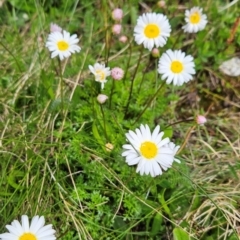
x,y
176,67
35,231
100,72
196,21
148,150
62,44
152,29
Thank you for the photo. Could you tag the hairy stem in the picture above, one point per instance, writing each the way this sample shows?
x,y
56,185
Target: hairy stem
x,y
133,78
149,102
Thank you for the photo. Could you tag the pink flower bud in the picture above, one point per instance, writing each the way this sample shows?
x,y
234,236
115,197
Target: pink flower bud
x,y
123,39
116,29
39,39
161,4
101,98
201,120
117,73
117,14
155,53
55,28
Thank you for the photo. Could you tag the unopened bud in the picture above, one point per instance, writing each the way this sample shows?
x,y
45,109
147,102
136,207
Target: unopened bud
x,y
117,14
201,120
101,98
155,53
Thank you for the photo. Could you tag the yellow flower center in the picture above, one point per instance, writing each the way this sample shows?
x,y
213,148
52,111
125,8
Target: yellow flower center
x,y
62,45
152,31
195,18
176,66
100,75
27,236
149,149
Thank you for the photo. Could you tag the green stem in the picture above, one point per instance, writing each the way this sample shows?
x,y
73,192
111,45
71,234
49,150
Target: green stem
x,y
144,72
180,121
128,63
110,98
179,35
18,65
104,123
108,34
108,46
133,78
61,86
149,102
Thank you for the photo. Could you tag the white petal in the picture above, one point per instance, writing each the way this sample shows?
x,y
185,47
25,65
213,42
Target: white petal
x,y
25,223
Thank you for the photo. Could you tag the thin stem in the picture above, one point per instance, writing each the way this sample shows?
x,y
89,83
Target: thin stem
x,y
144,72
61,86
104,123
177,40
149,102
133,78
110,98
108,35
156,76
188,134
128,63
18,65
108,46
180,121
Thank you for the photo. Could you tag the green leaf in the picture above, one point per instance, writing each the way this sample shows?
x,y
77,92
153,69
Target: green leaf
x,y
156,226
133,14
233,237
119,224
96,134
13,179
47,83
161,199
180,234
168,132
50,93
210,238
196,201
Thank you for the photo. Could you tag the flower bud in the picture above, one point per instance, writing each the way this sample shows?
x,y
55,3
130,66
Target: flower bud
x,y
201,120
123,39
55,28
161,4
101,98
117,14
116,29
155,52
117,73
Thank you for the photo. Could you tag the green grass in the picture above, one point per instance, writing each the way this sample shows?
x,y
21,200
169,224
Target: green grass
x,y
52,147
